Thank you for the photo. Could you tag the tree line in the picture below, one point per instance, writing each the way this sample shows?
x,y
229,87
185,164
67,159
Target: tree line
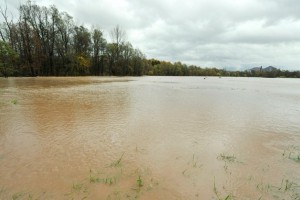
x,y
46,42
42,41
163,68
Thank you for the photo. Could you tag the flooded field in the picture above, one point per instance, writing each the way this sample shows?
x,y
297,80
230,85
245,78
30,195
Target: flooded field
x,y
149,138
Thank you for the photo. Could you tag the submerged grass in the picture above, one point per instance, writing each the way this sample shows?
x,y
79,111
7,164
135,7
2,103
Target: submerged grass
x,y
292,153
195,162
14,101
227,158
194,165
287,185
18,195
103,177
287,189
77,186
79,190
94,179
140,182
107,180
219,196
117,163
263,187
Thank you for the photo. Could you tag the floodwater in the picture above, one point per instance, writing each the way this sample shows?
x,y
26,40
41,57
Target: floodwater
x,y
149,138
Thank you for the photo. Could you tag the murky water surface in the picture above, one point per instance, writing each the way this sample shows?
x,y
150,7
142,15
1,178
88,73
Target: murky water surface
x,y
149,138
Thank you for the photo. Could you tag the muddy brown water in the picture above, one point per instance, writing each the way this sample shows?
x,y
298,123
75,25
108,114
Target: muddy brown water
x,y
149,138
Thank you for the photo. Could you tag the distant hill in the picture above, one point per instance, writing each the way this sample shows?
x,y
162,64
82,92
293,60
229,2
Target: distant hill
x,y
267,69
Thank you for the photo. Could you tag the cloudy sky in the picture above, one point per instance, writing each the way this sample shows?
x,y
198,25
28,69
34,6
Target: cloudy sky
x,y
231,34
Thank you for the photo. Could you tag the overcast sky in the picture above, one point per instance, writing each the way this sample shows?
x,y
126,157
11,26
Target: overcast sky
x,y
209,33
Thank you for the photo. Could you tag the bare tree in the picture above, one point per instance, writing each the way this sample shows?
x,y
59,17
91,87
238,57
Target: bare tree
x,y
8,24
118,37
65,29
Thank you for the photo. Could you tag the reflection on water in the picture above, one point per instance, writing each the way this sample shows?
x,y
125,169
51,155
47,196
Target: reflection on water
x,y
149,138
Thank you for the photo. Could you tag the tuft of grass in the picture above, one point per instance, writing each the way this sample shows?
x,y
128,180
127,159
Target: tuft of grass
x,y
107,180
292,153
117,163
195,162
219,197
227,158
263,187
94,179
296,158
140,182
14,101
102,177
17,195
77,186
287,185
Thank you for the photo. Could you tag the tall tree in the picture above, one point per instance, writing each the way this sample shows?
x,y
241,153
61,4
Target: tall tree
x,y
118,38
63,43
127,54
6,27
7,59
26,37
82,49
98,50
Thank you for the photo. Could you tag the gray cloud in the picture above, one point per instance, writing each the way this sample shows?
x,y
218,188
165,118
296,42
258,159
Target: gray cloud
x,y
227,33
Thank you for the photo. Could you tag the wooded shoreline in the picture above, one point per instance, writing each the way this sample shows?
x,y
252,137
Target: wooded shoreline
x,y
43,41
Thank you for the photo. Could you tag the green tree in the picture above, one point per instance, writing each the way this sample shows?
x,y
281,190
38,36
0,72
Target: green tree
x,y
98,49
82,48
8,58
63,42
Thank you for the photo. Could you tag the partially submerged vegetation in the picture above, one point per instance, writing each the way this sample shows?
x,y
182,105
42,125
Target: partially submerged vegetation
x,y
141,181
292,153
124,177
14,101
221,196
227,158
113,176
117,163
